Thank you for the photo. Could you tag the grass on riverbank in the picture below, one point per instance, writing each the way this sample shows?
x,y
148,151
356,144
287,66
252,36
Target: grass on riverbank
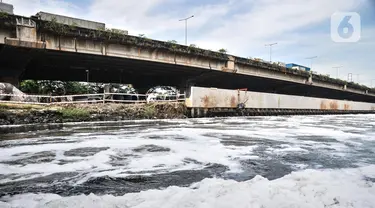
x,y
74,113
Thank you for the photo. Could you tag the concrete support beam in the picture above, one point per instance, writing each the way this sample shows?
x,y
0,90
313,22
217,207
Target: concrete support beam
x,y
28,37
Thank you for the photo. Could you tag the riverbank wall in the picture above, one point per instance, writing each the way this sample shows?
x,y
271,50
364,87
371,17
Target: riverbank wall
x,y
206,102
200,102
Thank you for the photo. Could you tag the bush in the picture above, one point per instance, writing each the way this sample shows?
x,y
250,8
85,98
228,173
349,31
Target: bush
x,y
150,111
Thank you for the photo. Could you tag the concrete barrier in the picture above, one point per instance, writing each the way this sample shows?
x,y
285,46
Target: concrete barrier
x,y
204,100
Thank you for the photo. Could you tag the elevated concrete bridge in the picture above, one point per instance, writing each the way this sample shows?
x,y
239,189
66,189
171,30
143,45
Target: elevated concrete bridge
x,y
31,48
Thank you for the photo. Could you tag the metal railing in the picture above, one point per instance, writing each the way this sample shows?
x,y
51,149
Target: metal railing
x,y
88,98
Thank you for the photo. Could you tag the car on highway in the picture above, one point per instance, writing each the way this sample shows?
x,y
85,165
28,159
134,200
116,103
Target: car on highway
x,y
125,92
162,93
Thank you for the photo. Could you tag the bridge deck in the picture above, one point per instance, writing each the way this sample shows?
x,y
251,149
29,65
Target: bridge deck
x,y
72,66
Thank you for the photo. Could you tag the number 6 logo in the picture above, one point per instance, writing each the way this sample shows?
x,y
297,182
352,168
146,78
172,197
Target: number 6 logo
x,y
346,27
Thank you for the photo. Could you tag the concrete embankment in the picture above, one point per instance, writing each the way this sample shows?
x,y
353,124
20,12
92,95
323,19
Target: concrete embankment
x,y
20,118
23,118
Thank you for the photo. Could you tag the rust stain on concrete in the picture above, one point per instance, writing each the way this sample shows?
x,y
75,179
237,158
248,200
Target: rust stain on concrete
x,y
233,102
333,105
205,100
323,105
209,101
347,107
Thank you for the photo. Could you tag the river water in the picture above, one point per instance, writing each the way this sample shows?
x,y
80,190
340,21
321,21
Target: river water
x,y
291,161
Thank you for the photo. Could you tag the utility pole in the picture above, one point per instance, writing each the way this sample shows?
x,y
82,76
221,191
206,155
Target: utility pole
x,y
311,59
337,71
186,19
270,45
87,79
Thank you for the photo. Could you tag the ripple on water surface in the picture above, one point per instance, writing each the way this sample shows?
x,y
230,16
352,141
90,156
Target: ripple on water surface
x,y
118,159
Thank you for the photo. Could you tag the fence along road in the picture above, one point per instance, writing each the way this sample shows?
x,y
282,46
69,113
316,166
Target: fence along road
x,y
87,98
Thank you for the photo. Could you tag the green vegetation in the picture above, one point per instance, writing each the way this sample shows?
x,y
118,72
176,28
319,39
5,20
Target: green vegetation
x,y
4,15
7,20
223,50
74,113
56,27
173,44
73,26
150,111
56,87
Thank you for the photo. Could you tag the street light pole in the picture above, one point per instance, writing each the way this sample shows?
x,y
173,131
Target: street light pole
x,y
87,75
311,59
87,79
270,45
338,70
186,19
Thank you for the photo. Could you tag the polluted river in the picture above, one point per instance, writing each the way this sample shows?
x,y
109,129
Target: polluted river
x,y
286,161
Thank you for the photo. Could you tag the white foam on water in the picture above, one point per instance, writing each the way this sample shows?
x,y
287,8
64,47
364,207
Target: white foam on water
x,y
186,140
287,148
308,188
195,146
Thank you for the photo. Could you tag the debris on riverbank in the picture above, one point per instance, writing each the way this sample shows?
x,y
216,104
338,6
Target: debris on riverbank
x,y
15,114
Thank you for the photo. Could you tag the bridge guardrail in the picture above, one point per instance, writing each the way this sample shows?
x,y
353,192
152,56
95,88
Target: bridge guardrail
x,y
87,98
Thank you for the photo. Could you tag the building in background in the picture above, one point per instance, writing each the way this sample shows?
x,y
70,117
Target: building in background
x,y
6,8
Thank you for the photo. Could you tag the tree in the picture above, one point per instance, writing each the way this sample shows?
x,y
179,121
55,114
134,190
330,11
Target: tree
x,y
73,88
193,46
51,87
223,50
29,86
55,87
142,35
172,41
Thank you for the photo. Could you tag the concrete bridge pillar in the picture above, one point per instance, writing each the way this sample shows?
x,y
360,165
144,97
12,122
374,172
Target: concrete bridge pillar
x,y
309,80
230,65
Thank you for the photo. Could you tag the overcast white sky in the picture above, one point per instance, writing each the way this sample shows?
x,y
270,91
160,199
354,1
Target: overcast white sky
x,y
243,27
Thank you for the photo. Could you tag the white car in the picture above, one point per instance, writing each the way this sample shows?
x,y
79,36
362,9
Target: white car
x,y
162,93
